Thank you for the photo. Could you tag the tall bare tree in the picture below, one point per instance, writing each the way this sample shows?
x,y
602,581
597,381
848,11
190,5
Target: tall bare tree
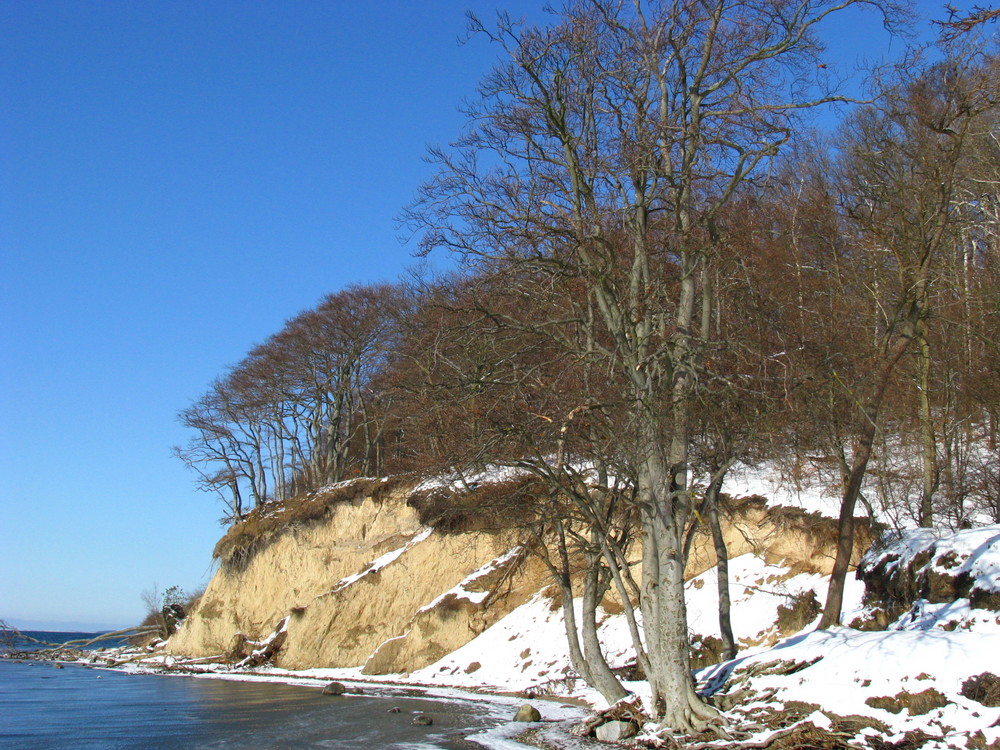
x,y
903,161
603,150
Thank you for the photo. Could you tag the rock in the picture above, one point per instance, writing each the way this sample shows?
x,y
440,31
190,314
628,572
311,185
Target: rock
x,y
613,731
527,712
393,710
422,720
334,688
173,615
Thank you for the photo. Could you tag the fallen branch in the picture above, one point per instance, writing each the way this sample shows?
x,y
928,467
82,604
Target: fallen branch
x,y
267,648
124,633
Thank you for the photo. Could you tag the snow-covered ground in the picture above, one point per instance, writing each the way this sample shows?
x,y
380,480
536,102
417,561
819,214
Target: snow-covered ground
x,y
907,682
932,678
922,681
915,684
768,481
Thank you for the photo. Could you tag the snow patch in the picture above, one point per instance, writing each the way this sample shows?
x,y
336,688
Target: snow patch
x,y
380,562
461,590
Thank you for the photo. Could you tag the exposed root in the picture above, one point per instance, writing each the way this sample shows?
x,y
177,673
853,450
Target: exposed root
x,y
628,708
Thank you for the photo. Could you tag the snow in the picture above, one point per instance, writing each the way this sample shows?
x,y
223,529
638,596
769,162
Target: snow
x,y
808,494
852,667
496,474
525,651
757,589
539,637
460,482
461,591
841,672
380,562
977,549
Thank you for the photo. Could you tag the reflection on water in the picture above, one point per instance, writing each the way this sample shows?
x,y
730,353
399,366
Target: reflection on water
x,y
44,707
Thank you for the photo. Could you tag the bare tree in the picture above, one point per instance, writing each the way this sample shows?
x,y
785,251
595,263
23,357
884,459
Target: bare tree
x,y
294,414
903,159
603,151
959,24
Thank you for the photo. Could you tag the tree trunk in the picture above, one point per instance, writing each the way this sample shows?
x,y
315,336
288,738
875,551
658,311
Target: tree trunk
x,y
664,612
722,569
563,576
862,454
928,451
594,587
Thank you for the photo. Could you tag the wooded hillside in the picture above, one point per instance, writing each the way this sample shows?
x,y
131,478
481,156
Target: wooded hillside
x,y
661,273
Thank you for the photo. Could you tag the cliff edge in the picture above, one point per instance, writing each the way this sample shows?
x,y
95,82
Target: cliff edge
x,y
357,575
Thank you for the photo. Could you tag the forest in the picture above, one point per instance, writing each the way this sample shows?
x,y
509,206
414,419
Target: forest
x,y
659,269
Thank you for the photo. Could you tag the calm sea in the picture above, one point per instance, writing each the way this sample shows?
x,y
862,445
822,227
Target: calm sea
x,y
80,708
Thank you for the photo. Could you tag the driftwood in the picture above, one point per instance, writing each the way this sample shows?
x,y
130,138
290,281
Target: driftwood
x,y
627,709
263,651
84,642
48,649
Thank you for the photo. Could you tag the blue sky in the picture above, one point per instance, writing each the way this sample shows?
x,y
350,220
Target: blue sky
x,y
176,180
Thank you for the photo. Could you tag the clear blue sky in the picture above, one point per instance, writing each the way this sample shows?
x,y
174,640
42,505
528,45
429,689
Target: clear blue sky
x,y
176,180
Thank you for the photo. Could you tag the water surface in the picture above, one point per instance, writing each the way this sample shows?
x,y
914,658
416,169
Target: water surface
x,y
86,709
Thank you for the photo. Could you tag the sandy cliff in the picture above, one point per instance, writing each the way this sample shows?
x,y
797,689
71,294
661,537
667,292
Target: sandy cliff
x,y
364,583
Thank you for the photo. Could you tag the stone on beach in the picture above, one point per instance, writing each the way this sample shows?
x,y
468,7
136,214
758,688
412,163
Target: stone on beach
x,y
334,688
527,712
613,731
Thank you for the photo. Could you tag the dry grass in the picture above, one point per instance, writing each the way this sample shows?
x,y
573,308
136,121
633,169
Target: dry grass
x,y
705,651
912,740
983,688
983,599
802,610
262,525
786,726
917,704
490,507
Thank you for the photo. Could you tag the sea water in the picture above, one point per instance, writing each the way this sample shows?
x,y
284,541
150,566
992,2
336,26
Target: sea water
x,y
42,706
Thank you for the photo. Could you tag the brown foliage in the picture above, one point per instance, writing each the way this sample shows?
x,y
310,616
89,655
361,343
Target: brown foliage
x,y
983,688
262,525
491,506
916,704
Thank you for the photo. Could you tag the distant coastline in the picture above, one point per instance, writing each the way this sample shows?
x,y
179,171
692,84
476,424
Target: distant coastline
x,y
26,640
63,626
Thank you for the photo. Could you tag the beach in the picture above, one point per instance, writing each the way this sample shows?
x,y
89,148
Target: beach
x,y
79,705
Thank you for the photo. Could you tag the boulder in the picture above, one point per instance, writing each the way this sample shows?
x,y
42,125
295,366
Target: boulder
x,y
334,688
527,712
422,720
613,731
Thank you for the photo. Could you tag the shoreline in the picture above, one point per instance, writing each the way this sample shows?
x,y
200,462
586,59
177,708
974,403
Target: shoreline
x,y
559,713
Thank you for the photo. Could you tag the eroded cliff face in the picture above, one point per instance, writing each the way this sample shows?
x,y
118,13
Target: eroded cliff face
x,y
363,582
350,582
